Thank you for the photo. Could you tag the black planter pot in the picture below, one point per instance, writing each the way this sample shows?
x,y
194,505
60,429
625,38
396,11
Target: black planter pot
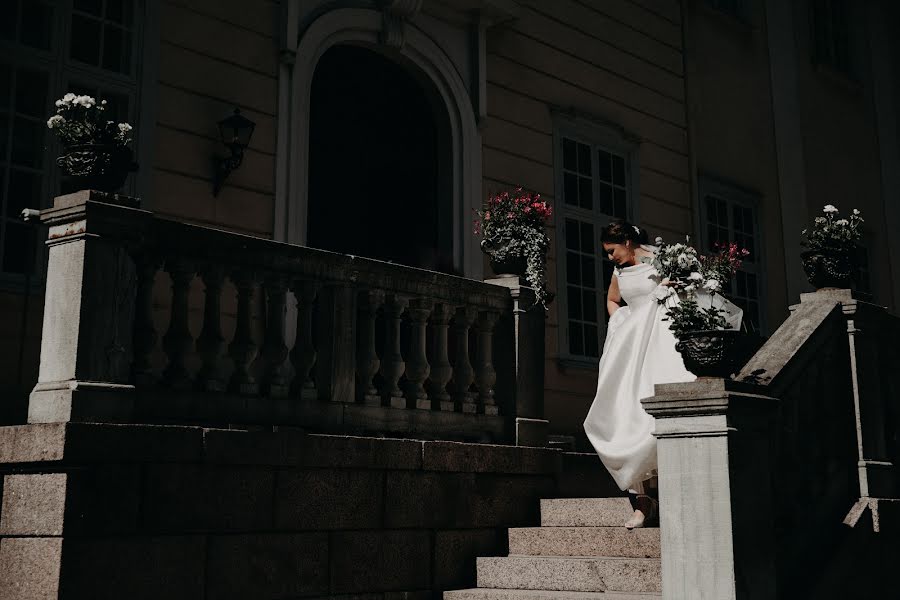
x,y
100,167
508,267
717,353
828,268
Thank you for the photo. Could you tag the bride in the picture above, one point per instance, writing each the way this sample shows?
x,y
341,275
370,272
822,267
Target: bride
x,y
639,352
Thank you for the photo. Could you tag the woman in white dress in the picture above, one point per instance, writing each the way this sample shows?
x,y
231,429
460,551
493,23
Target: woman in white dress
x,y
639,352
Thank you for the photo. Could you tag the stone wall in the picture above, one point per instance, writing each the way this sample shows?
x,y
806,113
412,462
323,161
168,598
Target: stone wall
x,y
101,511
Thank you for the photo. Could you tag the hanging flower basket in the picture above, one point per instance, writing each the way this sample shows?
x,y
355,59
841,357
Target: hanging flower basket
x,y
716,352
504,264
102,167
828,268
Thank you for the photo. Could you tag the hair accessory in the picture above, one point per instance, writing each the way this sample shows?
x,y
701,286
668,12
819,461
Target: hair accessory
x,y
636,229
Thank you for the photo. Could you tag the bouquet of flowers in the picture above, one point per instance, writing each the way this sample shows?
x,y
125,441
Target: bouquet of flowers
x,y
512,224
831,232
81,120
689,274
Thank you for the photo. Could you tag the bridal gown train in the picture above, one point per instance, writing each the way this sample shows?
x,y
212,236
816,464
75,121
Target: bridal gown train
x,y
639,352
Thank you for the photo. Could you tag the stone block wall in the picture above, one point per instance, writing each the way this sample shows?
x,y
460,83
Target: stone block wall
x,y
105,511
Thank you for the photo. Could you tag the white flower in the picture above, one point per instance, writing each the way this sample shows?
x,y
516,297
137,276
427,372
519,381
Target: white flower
x,y
829,208
55,121
820,220
68,98
712,285
124,127
85,101
662,292
855,211
842,222
695,276
659,241
103,102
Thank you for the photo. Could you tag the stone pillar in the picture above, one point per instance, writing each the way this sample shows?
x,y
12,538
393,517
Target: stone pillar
x,y
86,345
715,489
367,361
211,343
441,369
392,363
303,354
417,367
529,321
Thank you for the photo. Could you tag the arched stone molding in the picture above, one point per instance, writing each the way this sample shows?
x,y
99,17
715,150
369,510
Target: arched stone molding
x,y
428,63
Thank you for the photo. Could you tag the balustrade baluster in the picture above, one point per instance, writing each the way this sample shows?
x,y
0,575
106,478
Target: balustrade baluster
x,y
417,367
486,376
145,337
463,373
392,365
211,343
178,342
367,362
303,354
275,351
441,369
242,349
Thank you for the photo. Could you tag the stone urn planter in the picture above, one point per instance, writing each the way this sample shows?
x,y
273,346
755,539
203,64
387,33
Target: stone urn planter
x,y
102,167
828,268
512,266
716,353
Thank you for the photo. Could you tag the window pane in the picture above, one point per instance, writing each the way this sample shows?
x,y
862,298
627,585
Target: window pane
x,y
18,243
28,142
606,203
120,11
584,159
24,192
572,234
573,268
5,86
619,203
31,93
605,170
574,299
94,7
587,238
569,159
591,345
570,191
585,194
116,50
9,20
37,25
589,300
588,272
576,341
618,170
85,40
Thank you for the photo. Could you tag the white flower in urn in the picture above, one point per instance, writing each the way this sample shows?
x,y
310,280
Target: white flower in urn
x,y
712,285
829,208
55,121
695,276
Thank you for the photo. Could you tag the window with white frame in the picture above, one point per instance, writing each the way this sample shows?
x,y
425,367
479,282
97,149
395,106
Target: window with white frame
x,y
595,185
730,215
48,48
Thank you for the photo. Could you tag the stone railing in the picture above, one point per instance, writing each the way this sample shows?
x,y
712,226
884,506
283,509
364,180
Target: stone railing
x,y
760,476
377,347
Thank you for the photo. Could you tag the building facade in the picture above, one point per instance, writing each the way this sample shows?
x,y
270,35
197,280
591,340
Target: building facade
x,y
381,126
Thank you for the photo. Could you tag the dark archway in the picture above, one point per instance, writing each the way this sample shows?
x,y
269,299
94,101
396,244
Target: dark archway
x,y
375,162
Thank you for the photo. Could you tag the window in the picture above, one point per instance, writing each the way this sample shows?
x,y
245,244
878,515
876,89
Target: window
x,y
48,48
730,215
831,34
595,182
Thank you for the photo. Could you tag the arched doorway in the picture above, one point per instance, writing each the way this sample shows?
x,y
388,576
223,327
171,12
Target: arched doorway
x,y
378,162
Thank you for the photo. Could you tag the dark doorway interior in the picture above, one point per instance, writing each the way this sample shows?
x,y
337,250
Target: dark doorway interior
x,y
374,163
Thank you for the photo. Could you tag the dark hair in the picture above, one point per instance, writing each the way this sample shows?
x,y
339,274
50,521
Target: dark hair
x,y
618,232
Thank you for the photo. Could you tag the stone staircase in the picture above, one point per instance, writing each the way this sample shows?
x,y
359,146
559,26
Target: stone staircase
x,y
581,551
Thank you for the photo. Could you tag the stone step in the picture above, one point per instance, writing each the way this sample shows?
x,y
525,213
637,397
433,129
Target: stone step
x,y
585,512
585,541
570,574
501,594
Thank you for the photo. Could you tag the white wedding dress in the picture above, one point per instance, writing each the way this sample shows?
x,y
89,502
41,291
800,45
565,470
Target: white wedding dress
x,y
639,352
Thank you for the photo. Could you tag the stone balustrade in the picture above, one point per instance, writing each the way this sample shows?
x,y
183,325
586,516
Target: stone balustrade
x,y
376,347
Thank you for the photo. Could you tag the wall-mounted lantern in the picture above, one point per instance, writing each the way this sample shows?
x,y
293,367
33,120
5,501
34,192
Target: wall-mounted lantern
x,y
236,131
